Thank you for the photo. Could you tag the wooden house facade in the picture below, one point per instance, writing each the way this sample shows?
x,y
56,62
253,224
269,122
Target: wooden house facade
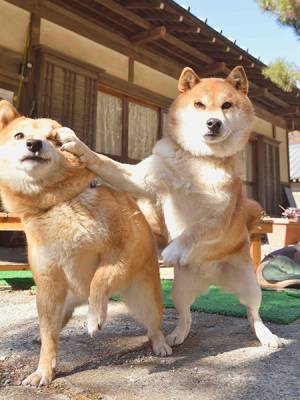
x,y
109,70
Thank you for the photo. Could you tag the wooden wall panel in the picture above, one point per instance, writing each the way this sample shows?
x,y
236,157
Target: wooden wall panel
x,y
67,92
268,175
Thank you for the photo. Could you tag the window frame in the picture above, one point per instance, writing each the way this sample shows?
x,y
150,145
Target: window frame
x,y
126,99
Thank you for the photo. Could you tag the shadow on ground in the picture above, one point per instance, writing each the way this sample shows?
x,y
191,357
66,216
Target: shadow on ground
x,y
220,359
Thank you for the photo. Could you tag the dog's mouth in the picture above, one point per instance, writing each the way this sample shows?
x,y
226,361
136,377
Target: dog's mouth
x,y
211,137
37,159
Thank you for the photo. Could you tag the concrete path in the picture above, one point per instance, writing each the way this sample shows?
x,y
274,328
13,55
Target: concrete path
x,y
221,359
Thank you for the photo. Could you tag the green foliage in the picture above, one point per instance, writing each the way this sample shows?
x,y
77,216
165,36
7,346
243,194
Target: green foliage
x,y
286,75
287,11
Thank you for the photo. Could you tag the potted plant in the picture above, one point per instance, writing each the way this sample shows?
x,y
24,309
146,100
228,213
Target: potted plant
x,y
286,230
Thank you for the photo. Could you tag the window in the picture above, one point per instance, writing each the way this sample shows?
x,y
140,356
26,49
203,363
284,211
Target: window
x,y
142,130
248,165
126,128
109,124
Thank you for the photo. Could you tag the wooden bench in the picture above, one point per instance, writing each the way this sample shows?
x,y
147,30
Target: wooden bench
x,y
11,222
265,226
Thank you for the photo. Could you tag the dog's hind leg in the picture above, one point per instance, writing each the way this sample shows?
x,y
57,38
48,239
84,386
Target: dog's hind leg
x,y
238,277
100,288
187,285
144,300
69,307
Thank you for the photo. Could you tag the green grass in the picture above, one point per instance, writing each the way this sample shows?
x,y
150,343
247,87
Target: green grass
x,y
281,307
21,280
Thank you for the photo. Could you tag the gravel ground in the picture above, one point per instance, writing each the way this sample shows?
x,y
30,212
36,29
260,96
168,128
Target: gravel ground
x,y
221,359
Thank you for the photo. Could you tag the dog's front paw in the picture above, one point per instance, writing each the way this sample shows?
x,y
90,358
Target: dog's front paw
x,y
162,349
76,148
66,135
175,254
39,378
72,144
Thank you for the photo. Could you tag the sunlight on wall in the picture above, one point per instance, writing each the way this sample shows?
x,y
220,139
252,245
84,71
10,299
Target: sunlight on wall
x,y
83,49
154,80
14,22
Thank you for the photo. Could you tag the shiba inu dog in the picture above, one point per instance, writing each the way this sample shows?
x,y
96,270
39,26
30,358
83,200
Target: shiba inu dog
x,y
194,177
83,243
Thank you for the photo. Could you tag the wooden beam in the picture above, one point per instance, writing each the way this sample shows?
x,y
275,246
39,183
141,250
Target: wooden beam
x,y
258,92
130,70
187,48
123,12
149,36
100,14
158,5
288,111
166,18
202,40
213,69
113,6
14,267
270,96
180,27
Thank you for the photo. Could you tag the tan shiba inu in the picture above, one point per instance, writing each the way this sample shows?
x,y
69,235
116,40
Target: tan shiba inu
x,y
194,177
83,243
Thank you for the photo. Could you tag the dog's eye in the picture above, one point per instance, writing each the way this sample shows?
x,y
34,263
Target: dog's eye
x,y
226,105
199,104
19,136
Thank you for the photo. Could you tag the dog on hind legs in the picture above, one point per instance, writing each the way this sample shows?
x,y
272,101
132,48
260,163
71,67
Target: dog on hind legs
x,y
82,242
194,178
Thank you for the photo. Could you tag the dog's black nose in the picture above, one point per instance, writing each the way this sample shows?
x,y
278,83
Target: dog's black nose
x,y
34,145
214,125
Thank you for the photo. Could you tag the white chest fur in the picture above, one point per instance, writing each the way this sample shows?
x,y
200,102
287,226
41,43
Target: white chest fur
x,y
195,189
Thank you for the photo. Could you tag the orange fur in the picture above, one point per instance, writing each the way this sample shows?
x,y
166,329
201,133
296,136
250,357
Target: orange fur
x,y
194,178
82,242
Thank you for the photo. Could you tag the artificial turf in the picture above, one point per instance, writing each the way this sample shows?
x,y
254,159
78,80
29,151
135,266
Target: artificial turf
x,y
281,307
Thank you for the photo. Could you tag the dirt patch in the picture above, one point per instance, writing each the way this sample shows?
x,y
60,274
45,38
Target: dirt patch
x,y
221,359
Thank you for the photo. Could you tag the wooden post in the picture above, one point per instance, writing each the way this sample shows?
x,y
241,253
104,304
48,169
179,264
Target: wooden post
x,y
28,98
255,250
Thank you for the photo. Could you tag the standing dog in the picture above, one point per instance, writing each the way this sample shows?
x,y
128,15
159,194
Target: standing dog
x,y
194,177
82,242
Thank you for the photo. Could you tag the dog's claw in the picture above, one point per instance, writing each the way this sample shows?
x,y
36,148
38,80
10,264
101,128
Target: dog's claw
x,y
160,346
38,379
273,342
94,323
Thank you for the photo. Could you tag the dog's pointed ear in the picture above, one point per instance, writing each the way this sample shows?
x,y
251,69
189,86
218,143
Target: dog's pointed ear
x,y
187,80
7,113
238,79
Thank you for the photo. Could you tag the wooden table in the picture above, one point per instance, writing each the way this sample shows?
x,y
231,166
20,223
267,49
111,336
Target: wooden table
x,y
265,226
11,222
